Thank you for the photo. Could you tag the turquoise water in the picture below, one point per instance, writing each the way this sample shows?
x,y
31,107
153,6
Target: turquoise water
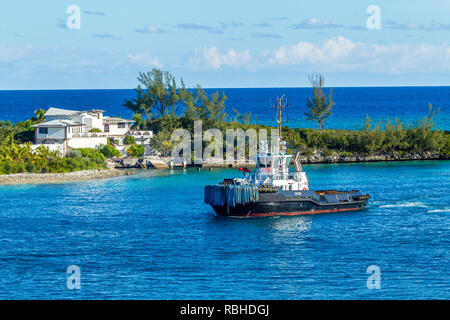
x,y
150,236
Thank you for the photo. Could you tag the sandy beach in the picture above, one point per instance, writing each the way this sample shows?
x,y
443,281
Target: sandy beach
x,y
43,178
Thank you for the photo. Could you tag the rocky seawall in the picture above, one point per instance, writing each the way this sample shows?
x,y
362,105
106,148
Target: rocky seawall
x,y
155,162
44,178
318,158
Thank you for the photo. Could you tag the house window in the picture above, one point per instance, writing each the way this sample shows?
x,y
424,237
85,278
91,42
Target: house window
x,y
121,125
43,130
106,128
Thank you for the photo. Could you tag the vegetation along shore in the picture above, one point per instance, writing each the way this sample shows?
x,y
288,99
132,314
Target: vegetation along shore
x,y
163,105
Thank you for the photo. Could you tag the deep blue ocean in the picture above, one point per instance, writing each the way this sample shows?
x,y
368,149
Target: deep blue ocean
x,y
352,104
150,236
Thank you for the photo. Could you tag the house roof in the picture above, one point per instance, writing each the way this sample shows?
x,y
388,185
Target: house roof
x,y
65,112
58,124
96,110
60,112
115,120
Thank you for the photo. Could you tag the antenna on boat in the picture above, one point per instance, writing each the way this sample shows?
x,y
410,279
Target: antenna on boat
x,y
281,104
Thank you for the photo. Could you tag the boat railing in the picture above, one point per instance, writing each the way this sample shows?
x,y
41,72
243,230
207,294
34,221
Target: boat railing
x,y
279,176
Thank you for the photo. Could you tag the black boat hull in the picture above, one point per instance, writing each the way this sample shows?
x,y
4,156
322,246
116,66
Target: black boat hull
x,y
270,205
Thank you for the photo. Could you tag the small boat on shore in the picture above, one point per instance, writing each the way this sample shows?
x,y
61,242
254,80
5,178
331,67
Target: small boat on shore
x,y
274,190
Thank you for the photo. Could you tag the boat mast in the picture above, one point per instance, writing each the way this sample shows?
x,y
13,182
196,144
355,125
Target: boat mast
x,y
280,105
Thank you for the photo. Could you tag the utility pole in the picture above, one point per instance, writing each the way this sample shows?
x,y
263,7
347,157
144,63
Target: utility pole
x,y
280,105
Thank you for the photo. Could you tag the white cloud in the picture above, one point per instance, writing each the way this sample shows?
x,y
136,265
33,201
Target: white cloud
x,y
145,59
305,52
335,55
341,54
212,58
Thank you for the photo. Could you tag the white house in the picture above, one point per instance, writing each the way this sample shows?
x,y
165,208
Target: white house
x,y
91,119
57,131
74,129
116,127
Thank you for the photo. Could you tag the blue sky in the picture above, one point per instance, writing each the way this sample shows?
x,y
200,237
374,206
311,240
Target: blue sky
x,y
224,43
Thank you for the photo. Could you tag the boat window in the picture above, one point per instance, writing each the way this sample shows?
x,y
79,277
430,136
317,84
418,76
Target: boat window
x,y
275,162
260,162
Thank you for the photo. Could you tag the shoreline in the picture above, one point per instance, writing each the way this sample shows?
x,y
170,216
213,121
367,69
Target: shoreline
x,y
317,159
48,178
96,174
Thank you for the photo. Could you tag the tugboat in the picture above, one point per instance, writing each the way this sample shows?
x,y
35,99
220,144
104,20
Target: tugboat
x,y
274,190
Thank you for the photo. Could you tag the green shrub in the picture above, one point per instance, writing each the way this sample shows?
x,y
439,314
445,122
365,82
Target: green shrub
x,y
30,167
8,167
76,154
12,167
93,154
346,154
109,151
129,140
19,158
136,150
93,130
393,137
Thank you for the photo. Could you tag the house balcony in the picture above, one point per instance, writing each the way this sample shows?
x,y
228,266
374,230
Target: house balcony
x,y
142,134
89,135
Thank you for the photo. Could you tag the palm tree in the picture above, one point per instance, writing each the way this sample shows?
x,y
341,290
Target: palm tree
x,y
320,106
40,115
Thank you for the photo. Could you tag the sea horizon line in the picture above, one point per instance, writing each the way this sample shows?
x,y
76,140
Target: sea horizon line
x,y
220,88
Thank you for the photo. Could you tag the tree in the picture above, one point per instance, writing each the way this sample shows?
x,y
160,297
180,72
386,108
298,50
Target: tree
x,y
40,115
320,106
163,142
157,95
191,110
212,108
